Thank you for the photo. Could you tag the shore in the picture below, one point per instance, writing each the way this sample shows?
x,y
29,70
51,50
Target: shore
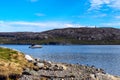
x,y
47,70
15,65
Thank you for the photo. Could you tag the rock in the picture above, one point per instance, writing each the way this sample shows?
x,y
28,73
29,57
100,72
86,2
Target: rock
x,y
93,76
35,63
63,67
36,68
26,71
48,63
58,67
37,60
29,58
25,77
40,65
55,67
32,72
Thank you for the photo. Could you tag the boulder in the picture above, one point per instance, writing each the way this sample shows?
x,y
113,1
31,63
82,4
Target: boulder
x,y
40,65
64,67
61,66
29,58
48,63
36,68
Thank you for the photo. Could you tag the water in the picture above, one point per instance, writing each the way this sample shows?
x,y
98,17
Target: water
x,y
106,57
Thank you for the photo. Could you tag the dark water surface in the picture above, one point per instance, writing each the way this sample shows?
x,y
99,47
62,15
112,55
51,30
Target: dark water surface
x,y
102,56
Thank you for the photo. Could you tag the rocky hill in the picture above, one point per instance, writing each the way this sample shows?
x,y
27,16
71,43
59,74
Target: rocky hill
x,y
83,35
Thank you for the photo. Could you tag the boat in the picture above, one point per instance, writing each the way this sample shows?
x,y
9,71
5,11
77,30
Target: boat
x,y
35,46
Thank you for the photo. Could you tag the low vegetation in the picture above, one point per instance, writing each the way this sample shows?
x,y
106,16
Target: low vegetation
x,y
12,64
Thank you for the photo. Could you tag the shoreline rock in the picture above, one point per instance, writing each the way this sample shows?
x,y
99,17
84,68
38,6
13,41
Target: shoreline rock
x,y
29,58
46,70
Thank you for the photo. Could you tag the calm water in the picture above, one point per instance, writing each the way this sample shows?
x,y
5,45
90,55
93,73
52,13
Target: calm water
x,y
102,56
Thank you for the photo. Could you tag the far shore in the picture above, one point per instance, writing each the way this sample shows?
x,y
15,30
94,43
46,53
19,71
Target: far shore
x,y
60,44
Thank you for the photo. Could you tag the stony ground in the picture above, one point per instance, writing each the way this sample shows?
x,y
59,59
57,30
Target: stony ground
x,y
62,71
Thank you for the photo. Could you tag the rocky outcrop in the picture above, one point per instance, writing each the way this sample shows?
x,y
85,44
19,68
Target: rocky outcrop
x,y
83,35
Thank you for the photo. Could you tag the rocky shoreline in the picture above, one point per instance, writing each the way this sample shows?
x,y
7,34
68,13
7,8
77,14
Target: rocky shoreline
x,y
47,70
14,65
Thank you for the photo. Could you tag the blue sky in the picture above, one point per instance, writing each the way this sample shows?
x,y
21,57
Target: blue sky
x,y
41,15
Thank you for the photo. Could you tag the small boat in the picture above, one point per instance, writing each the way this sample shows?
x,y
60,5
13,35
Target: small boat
x,y
35,46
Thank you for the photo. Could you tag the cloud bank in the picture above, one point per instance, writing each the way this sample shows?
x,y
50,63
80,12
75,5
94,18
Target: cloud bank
x,y
97,4
14,26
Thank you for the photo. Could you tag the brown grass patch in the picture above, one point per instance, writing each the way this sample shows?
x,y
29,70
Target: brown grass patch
x,y
12,64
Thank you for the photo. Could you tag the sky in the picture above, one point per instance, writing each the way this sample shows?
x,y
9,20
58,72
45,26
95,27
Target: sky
x,y
42,15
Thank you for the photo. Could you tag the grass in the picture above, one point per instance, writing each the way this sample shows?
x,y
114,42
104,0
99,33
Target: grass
x,y
5,53
12,64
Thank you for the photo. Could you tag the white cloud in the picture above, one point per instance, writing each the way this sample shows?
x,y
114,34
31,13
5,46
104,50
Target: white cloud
x,y
99,15
97,4
117,17
111,24
115,4
10,26
40,14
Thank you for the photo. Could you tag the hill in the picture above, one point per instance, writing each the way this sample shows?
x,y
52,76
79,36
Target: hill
x,y
83,35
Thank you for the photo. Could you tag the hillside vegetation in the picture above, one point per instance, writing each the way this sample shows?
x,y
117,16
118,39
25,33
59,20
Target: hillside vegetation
x,y
64,36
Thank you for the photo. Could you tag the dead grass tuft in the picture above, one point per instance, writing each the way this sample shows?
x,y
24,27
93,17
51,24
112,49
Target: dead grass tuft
x,y
12,64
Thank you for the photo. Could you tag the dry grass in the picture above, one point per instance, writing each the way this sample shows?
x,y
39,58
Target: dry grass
x,y
12,63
